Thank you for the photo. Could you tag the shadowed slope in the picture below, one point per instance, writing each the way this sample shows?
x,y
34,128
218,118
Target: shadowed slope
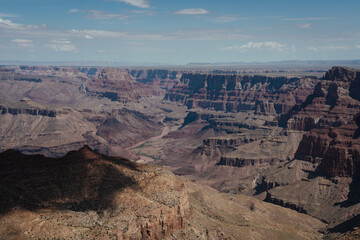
x,y
86,195
82,180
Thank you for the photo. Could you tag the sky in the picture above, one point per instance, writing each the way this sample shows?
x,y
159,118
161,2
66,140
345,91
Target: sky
x,y
179,31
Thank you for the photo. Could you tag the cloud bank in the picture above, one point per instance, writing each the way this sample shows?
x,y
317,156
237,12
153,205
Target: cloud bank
x,y
192,11
135,3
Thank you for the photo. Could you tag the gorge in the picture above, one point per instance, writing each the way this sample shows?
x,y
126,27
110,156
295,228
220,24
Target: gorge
x,y
214,141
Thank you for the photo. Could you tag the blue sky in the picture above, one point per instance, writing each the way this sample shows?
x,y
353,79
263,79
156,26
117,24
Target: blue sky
x,y
179,32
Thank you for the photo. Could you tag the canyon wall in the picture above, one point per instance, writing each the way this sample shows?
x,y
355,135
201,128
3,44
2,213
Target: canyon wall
x,y
331,115
163,78
235,93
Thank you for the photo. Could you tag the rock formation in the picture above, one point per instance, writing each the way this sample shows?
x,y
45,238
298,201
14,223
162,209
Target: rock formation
x,y
164,78
118,85
327,161
35,128
291,141
332,141
88,195
79,86
85,195
234,93
332,103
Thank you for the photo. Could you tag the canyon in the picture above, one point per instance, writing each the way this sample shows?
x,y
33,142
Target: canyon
x,y
228,153
114,198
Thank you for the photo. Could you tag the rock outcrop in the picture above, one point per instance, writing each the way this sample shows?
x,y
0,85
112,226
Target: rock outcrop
x,y
88,195
334,148
74,86
332,114
85,195
333,102
163,78
26,106
242,162
323,178
234,93
118,85
34,128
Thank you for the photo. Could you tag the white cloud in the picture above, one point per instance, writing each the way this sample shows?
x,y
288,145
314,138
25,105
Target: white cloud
x,y
315,49
257,46
25,43
143,12
61,41
21,41
136,3
62,45
334,48
15,30
74,10
97,14
6,15
192,11
90,34
306,19
204,35
329,48
8,24
357,46
211,34
226,19
305,26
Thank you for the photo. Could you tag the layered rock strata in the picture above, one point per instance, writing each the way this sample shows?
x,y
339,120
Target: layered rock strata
x,y
326,164
163,78
332,103
234,93
118,85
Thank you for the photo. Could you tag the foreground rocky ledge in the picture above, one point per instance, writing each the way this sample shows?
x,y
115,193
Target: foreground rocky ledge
x,y
87,195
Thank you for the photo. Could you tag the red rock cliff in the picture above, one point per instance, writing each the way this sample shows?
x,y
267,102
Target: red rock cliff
x,y
234,93
334,115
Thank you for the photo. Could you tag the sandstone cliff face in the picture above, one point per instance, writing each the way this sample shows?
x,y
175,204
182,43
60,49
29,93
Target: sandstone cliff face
x,y
341,161
88,195
234,93
322,179
357,121
118,85
26,106
335,150
332,103
341,74
8,74
332,114
242,162
31,111
163,78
